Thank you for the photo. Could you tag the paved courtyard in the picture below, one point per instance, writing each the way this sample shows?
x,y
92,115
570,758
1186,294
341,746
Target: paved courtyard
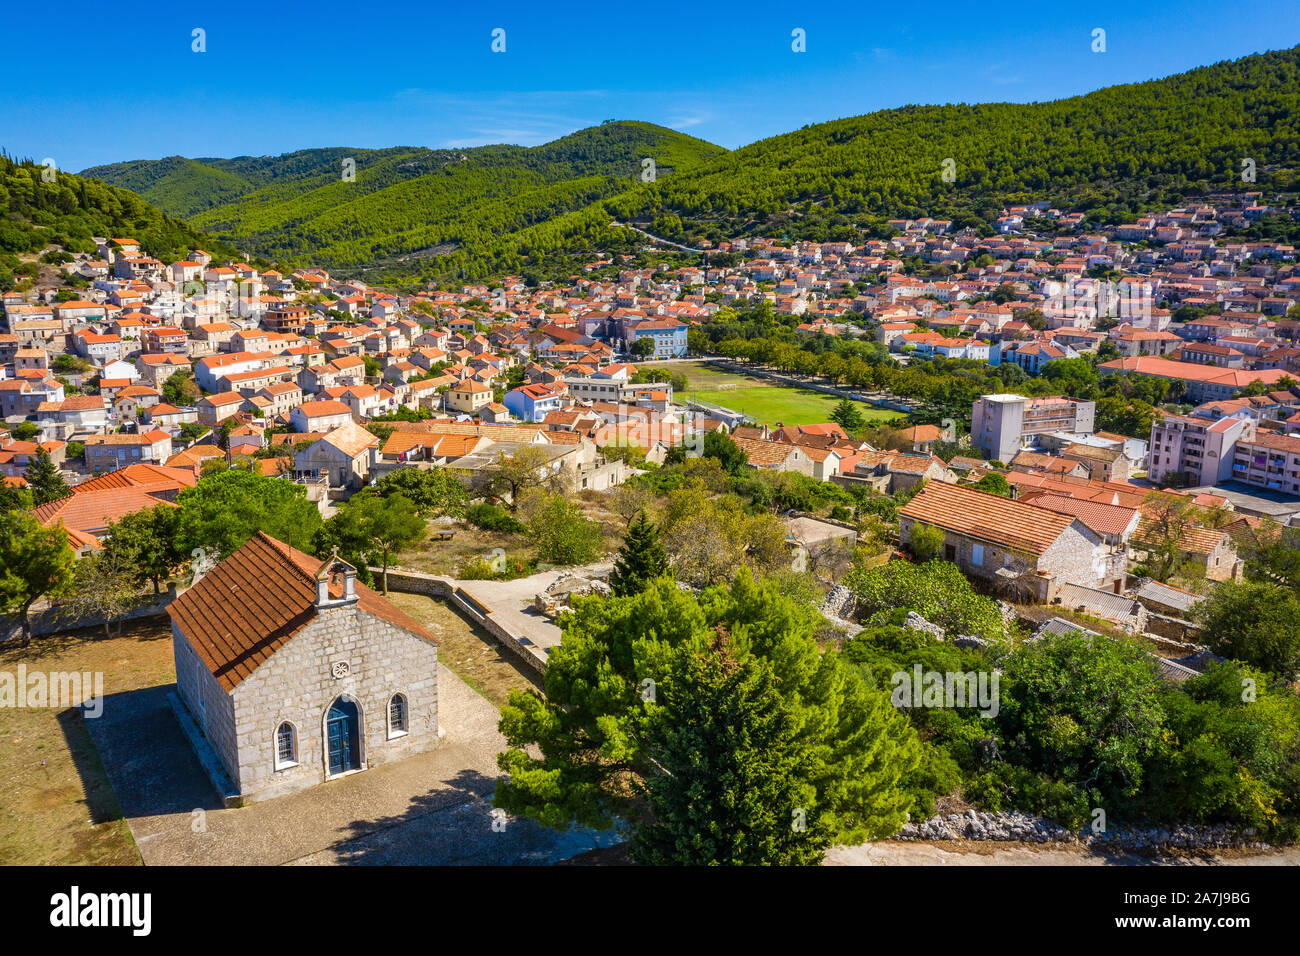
x,y
512,601
430,808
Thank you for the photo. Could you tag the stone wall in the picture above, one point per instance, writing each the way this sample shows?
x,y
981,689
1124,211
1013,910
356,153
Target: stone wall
x,y
1076,557
601,477
207,702
298,684
1175,629
49,620
432,585
1021,828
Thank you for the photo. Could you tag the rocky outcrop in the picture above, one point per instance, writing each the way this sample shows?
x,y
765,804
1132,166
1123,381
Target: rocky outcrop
x,y
557,597
840,603
917,623
1022,828
838,607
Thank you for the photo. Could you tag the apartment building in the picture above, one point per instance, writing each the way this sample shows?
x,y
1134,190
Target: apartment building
x,y
1003,424
1199,449
1268,460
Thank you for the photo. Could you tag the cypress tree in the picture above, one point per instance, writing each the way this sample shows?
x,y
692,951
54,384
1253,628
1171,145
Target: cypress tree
x,y
848,416
640,560
45,479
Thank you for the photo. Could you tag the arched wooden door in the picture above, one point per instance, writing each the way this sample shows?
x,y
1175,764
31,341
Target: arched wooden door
x,y
342,736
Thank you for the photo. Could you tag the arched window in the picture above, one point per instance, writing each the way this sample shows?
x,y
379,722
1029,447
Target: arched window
x,y
397,716
286,746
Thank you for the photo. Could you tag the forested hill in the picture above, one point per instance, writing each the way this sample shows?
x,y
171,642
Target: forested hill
x,y
417,214
1110,151
69,210
405,203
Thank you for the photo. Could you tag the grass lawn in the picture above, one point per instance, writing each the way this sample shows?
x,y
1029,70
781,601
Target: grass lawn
x,y
767,403
56,804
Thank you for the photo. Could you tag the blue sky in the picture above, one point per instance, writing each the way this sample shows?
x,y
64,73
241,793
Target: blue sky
x,y
92,84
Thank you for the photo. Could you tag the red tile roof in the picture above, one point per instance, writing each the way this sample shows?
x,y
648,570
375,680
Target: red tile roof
x,y
253,602
1012,524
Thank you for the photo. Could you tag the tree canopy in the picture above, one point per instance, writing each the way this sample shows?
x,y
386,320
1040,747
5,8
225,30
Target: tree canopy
x,y
624,688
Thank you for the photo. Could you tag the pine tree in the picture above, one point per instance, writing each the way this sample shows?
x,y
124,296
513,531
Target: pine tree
x,y
45,479
847,416
735,787
775,748
640,560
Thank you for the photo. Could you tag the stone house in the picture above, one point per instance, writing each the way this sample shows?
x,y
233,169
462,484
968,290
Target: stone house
x,y
107,452
296,674
892,471
1103,464
1016,546
343,455
776,456
1213,550
78,415
319,416
469,396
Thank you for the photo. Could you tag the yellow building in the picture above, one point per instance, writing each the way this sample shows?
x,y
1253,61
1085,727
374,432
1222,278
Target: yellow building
x,y
469,396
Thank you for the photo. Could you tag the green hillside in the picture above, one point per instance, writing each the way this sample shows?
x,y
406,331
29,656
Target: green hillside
x,y
408,207
70,210
1115,152
1112,151
421,214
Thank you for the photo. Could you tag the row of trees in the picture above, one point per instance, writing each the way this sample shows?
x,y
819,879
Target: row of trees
x,y
949,387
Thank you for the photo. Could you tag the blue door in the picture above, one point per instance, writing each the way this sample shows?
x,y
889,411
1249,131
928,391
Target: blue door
x,y
341,732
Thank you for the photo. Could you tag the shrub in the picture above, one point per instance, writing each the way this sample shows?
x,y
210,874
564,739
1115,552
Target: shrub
x,y
925,542
937,590
493,518
478,569
560,531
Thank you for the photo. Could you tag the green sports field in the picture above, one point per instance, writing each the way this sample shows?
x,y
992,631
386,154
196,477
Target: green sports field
x,y
767,403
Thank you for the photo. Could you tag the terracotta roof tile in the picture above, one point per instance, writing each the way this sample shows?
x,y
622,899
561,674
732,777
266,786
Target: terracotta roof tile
x,y
1012,524
253,602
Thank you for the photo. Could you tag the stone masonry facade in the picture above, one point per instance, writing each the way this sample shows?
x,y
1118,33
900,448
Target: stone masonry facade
x,y
1078,555
298,684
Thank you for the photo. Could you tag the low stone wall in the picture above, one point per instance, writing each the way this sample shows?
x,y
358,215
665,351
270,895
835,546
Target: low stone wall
x,y
1172,629
413,582
1022,828
48,620
433,585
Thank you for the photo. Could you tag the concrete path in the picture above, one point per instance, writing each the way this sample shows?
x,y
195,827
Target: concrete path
x,y
426,809
512,601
